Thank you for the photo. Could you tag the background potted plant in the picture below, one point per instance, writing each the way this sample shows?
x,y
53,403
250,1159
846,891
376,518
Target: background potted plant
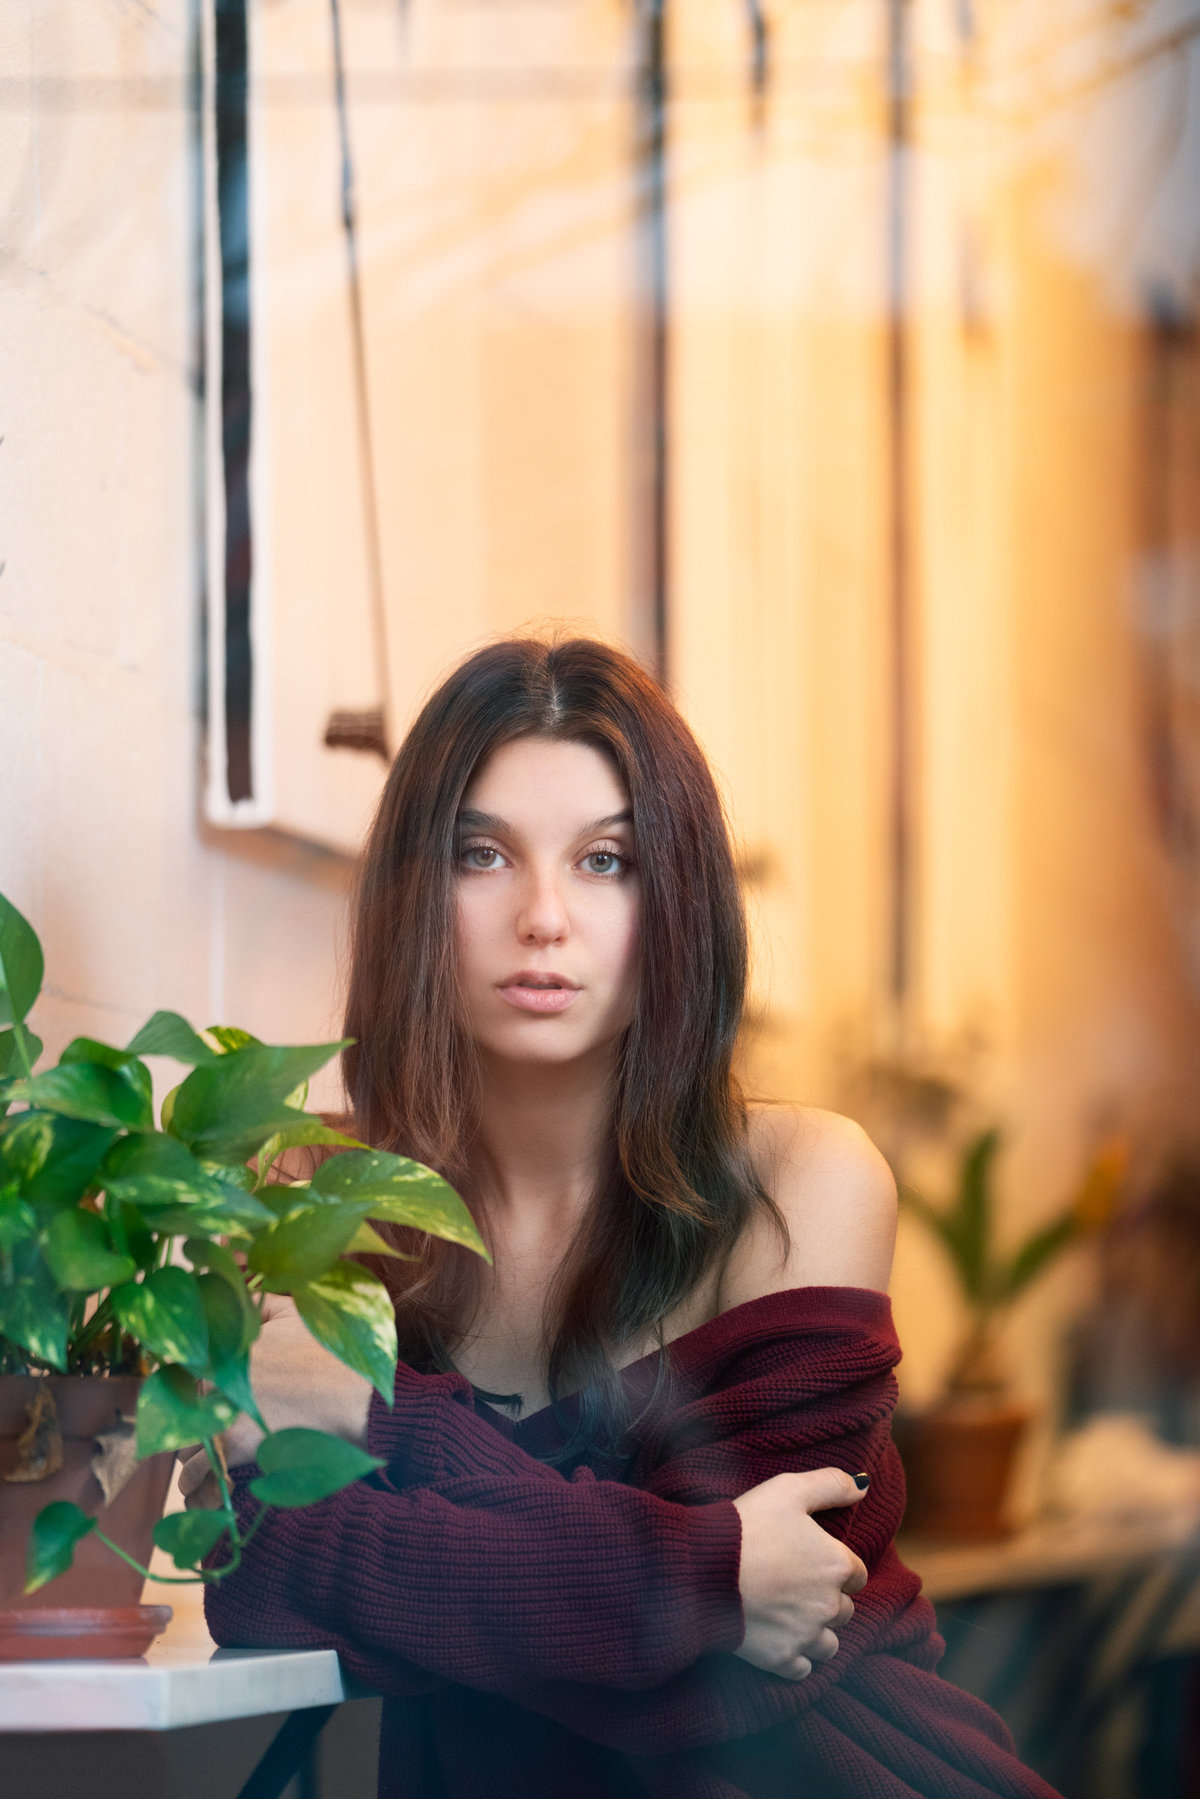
x,y
134,1261
959,1454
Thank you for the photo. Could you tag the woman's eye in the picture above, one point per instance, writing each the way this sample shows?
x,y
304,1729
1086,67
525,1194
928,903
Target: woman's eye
x,y
480,855
604,862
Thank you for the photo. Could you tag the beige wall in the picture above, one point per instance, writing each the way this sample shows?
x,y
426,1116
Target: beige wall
x,y
99,640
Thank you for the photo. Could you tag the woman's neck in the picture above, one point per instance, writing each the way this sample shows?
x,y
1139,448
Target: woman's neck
x,y
542,1139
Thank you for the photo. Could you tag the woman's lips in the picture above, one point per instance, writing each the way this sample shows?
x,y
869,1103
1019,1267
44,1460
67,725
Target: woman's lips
x,y
539,999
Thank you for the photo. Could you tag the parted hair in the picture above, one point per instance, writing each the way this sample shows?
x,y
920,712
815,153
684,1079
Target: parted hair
x,y
679,1184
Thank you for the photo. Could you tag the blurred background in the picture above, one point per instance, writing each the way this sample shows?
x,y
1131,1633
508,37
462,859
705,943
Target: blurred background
x,y
838,357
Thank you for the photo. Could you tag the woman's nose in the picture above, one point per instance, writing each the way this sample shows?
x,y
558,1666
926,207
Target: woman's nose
x,y
542,917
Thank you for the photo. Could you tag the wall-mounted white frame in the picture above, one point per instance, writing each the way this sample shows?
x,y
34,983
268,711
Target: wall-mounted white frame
x,y
496,220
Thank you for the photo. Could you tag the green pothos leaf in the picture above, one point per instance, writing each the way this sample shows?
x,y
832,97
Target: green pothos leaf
x,y
33,1313
79,1252
11,1041
300,1467
303,1245
227,1109
17,1220
165,1313
309,1132
400,1191
232,1324
56,1530
72,1163
21,964
87,1091
25,1143
167,1034
350,1312
187,1537
173,1411
228,1037
126,1067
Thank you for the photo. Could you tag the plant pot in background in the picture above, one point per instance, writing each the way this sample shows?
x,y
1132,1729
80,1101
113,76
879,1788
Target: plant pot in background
x,y
959,1455
959,1461
93,1609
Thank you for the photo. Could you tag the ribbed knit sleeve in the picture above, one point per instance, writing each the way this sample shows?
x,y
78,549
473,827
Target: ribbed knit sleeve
x,y
470,1561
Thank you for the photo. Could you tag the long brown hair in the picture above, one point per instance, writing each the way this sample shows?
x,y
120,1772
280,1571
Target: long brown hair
x,y
680,1184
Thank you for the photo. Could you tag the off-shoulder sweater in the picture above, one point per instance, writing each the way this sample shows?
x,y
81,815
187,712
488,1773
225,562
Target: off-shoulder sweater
x,y
539,1633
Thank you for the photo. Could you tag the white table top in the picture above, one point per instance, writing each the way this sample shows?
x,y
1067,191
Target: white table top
x,y
167,1688
183,1679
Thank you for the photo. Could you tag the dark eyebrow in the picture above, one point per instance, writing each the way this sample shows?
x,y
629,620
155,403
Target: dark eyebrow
x,y
469,819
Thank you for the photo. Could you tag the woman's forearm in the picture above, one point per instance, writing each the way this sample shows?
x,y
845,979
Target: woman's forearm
x,y
505,1576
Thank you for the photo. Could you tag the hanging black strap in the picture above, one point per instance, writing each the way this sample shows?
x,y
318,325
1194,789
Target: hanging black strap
x,y
232,100
367,730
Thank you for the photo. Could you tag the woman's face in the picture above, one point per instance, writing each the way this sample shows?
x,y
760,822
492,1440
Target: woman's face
x,y
548,903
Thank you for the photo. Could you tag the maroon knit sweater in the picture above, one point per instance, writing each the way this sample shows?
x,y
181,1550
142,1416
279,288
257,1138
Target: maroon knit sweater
x,y
537,1635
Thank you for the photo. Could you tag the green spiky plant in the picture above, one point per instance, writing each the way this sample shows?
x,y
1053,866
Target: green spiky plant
x,y
131,1248
990,1279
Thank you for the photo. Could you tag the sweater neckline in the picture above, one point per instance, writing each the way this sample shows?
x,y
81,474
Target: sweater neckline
x,y
795,1308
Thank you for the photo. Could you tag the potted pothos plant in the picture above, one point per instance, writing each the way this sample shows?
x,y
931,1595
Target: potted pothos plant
x,y
135,1258
960,1452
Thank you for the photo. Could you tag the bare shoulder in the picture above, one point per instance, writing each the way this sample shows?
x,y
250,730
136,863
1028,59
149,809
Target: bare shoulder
x,y
836,1196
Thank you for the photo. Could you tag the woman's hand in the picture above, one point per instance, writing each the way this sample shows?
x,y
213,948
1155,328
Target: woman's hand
x,y
296,1382
795,1579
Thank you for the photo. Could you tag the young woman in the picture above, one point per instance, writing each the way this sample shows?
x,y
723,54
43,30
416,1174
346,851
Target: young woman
x,y
592,1566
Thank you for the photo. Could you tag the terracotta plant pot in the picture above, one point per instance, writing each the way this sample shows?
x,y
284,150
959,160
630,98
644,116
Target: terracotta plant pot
x,y
959,1461
107,1632
94,1415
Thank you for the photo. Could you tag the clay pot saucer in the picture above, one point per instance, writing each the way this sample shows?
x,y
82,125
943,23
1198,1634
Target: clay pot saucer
x,y
69,1632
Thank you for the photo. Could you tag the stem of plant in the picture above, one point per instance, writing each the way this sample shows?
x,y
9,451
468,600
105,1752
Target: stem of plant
x,y
218,1467
166,1580
99,1321
171,1580
18,1031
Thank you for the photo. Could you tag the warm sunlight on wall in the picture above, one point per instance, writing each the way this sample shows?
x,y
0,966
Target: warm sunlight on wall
x,y
1049,920
1047,430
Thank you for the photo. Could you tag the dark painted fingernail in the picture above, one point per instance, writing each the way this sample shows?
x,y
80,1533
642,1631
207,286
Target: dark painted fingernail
x,y
862,1482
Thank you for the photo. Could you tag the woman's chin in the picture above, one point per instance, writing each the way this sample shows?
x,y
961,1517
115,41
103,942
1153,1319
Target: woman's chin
x,y
542,1048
